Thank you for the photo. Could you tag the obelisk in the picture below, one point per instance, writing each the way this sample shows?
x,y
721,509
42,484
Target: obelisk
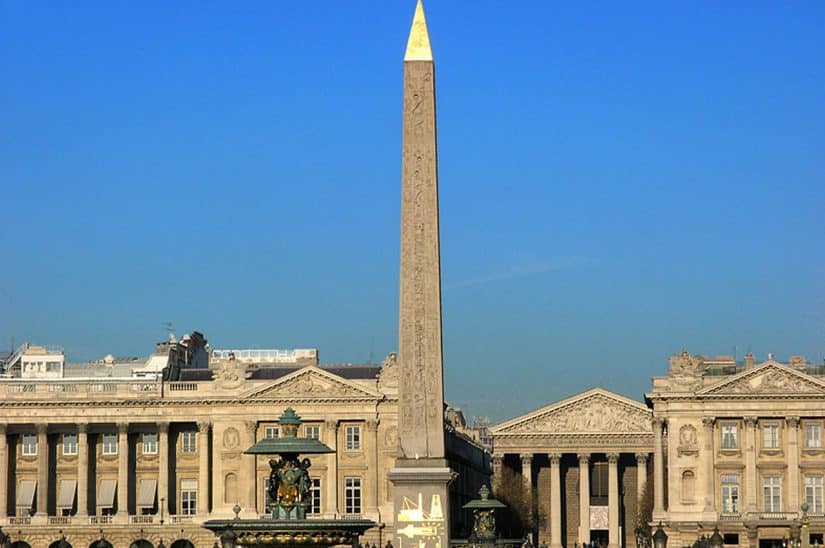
x,y
421,474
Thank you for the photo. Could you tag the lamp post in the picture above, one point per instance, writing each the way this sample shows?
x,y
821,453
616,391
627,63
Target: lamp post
x,y
659,537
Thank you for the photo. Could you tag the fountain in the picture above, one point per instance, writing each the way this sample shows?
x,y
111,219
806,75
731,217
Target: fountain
x,y
289,491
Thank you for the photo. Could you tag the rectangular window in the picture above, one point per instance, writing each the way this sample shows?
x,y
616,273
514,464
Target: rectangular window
x,y
29,443
813,435
770,436
270,431
150,444
352,495
110,444
730,435
188,502
188,441
315,497
312,431
772,493
813,493
70,444
730,493
353,438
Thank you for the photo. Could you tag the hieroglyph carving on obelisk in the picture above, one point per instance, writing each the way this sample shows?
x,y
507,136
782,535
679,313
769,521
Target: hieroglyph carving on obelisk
x,y
421,388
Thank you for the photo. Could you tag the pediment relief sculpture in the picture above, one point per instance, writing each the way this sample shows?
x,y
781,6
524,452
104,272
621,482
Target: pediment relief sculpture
x,y
310,384
388,378
772,380
688,444
595,414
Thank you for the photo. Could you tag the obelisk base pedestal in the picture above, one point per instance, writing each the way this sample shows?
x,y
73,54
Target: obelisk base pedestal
x,y
421,503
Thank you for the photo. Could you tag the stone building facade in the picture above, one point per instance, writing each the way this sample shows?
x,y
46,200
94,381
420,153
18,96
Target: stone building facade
x,y
130,460
744,448
738,446
586,460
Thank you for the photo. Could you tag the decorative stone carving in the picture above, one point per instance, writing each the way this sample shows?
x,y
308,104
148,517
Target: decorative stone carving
x,y
230,374
391,437
231,438
596,413
771,380
685,365
688,444
388,377
311,384
203,426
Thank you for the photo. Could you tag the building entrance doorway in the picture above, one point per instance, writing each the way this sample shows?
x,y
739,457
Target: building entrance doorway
x,y
599,538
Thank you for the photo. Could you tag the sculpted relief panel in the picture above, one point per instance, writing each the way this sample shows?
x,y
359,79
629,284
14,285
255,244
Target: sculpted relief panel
x,y
310,385
596,414
771,381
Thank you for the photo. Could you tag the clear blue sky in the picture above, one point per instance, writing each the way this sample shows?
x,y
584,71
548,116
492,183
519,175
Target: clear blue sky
x,y
618,181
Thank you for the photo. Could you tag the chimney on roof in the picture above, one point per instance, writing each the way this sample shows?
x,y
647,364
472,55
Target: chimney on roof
x,y
749,361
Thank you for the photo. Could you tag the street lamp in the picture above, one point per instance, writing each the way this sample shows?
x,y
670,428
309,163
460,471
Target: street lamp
x,y
716,540
660,537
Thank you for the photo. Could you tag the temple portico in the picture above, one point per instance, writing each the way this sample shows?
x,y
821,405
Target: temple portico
x,y
584,466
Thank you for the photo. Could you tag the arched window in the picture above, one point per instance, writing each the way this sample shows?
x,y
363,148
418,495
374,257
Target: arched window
x,y
230,489
60,544
182,543
142,543
688,486
101,543
21,544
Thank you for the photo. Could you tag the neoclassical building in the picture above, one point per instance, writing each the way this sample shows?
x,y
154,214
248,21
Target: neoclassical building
x,y
725,444
586,458
144,461
744,448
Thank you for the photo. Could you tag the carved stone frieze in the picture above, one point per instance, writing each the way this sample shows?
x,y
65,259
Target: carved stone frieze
x,y
594,413
771,380
310,384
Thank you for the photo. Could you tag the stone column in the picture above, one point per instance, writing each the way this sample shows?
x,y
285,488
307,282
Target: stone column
x,y
42,470
163,466
792,450
613,500
641,476
707,450
658,468
203,467
250,466
750,464
371,497
122,470
4,469
331,434
497,462
555,500
527,479
82,470
584,499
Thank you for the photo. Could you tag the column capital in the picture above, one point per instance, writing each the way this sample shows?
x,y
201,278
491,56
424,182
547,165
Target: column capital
x,y
163,427
372,425
526,457
123,428
642,457
584,458
554,458
750,421
331,424
203,426
82,427
250,426
708,422
41,428
498,459
612,458
793,422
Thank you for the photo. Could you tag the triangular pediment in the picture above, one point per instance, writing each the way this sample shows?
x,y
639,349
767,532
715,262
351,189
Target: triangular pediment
x,y
596,411
768,378
311,383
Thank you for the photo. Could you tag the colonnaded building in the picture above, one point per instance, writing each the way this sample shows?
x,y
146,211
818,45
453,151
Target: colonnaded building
x,y
113,451
723,444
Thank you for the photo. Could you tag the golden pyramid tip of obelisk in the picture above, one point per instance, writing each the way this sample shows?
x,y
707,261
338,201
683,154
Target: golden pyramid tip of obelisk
x,y
418,45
